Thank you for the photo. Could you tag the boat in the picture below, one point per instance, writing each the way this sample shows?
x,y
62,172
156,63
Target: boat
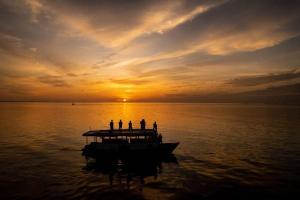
x,y
125,142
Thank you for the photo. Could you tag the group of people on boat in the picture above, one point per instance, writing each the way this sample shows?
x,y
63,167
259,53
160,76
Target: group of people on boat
x,y
142,123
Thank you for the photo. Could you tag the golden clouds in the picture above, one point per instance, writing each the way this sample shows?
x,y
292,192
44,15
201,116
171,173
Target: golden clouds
x,y
108,50
156,19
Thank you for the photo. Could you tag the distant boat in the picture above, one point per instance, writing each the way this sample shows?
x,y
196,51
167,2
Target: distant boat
x,y
73,104
126,142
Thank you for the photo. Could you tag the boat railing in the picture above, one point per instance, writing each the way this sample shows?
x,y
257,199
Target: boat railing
x,y
114,141
123,135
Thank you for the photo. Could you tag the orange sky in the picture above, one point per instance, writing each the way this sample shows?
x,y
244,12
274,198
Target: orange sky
x,y
146,50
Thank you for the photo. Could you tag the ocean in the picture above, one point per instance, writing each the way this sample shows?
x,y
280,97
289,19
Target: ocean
x,y
237,151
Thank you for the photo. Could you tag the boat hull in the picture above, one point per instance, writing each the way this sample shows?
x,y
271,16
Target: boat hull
x,y
96,149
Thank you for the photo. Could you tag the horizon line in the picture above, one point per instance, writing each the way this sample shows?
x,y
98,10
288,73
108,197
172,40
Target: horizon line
x,y
128,102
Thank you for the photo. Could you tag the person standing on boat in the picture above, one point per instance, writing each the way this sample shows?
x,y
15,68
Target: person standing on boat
x,y
143,124
120,124
155,126
130,125
111,124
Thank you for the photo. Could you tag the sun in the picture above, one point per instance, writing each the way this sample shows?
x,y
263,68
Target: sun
x,y
124,100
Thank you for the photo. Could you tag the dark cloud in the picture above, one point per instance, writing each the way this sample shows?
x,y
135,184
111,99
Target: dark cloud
x,y
285,94
72,75
283,90
15,19
130,81
265,79
284,54
14,91
12,45
55,81
249,21
122,14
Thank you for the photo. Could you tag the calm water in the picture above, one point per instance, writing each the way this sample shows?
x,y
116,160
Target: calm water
x,y
226,150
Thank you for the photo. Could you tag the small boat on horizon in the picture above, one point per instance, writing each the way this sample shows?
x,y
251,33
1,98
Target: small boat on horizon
x,y
126,142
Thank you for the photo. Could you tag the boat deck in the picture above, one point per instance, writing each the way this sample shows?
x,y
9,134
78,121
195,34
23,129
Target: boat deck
x,y
122,132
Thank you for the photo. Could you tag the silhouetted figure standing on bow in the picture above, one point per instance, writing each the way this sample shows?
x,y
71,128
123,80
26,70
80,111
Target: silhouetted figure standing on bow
x,y
143,124
130,126
120,124
111,124
155,126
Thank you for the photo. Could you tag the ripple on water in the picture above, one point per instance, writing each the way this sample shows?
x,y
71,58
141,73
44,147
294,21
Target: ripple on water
x,y
226,150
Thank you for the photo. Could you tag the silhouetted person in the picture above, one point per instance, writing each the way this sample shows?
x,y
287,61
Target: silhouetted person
x,y
111,124
155,126
143,124
120,124
130,126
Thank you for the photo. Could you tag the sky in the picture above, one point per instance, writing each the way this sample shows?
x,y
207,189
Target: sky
x,y
149,50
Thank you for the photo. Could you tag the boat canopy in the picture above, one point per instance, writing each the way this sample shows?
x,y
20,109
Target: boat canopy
x,y
121,132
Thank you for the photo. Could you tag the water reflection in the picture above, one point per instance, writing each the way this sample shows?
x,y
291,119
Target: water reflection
x,y
120,170
228,150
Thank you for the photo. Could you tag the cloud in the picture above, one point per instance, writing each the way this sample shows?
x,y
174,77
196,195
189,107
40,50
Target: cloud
x,y
284,94
36,8
120,22
132,81
232,27
10,44
265,79
282,56
229,28
71,74
55,81
181,46
247,26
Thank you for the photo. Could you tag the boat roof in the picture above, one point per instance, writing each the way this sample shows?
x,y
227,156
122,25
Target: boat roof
x,y
122,132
